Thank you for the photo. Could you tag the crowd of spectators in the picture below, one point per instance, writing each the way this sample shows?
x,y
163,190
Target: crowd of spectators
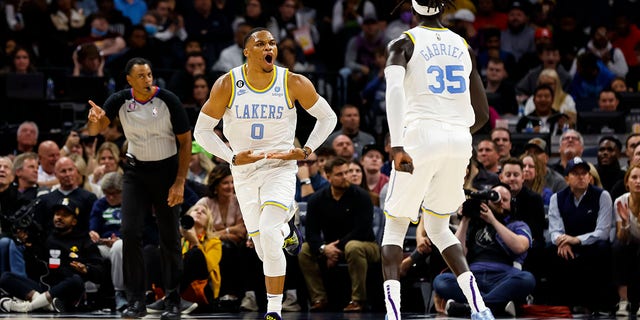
x,y
553,69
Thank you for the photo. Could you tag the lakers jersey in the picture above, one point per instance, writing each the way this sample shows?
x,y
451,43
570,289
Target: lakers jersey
x,y
261,120
437,78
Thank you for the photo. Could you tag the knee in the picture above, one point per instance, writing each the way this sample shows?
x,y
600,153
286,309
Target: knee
x,y
441,283
353,249
5,243
528,280
305,252
116,250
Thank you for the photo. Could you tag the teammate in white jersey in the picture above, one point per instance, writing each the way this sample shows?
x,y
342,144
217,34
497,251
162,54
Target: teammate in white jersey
x,y
433,92
256,101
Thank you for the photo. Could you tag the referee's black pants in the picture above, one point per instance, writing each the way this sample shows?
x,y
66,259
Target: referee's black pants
x,y
146,187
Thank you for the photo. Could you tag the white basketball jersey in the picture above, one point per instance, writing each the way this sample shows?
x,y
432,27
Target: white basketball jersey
x,y
437,77
260,120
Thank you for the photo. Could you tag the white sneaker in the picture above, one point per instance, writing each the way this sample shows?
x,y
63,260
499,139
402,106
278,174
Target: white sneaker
x,y
623,308
249,302
5,304
291,303
14,305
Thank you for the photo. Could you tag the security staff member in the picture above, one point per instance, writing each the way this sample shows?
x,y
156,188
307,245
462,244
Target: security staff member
x,y
152,118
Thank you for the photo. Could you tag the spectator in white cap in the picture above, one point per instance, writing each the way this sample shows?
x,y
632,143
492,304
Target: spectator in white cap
x,y
462,24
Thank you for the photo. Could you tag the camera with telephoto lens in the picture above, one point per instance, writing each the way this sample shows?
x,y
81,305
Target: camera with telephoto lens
x,y
471,206
186,222
23,219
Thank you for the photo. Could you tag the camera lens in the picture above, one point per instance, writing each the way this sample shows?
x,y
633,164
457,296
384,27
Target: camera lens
x,y
186,222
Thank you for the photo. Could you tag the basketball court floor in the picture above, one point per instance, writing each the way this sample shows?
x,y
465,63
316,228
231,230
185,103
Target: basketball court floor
x,y
254,316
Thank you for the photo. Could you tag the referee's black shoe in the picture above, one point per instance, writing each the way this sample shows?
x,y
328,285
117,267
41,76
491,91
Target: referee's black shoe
x,y
172,312
135,310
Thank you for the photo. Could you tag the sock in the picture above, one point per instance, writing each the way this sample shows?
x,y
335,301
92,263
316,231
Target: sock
x,y
39,300
469,287
392,299
274,303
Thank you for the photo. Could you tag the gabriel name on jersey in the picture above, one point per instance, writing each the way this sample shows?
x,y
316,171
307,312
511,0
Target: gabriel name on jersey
x,y
442,50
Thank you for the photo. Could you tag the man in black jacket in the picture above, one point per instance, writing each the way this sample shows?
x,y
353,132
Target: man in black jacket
x,y
338,228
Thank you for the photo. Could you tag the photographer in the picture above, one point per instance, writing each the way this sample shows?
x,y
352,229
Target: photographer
x,y
495,246
71,260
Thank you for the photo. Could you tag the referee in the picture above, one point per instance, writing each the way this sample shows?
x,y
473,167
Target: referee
x,y
154,176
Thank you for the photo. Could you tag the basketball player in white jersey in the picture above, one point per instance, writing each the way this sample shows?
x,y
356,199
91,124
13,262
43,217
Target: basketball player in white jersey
x,y
435,99
256,101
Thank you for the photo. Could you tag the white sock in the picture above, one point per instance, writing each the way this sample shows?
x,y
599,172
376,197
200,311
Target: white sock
x,y
392,299
274,303
467,283
39,300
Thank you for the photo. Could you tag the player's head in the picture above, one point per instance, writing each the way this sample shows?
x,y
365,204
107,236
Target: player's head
x,y
260,48
430,7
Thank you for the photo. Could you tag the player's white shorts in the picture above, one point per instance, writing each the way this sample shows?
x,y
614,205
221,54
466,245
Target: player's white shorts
x,y
266,182
440,153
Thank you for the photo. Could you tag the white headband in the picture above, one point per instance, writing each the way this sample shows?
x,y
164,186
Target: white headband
x,y
424,10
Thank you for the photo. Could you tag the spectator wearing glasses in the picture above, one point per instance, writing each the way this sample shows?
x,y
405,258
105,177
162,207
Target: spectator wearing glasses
x,y
571,145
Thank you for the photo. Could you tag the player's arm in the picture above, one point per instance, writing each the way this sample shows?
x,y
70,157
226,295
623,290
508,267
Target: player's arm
x,y
399,52
302,90
210,115
478,96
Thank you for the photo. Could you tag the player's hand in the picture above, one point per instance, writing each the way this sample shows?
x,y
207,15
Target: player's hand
x,y
293,154
246,157
176,194
402,161
95,113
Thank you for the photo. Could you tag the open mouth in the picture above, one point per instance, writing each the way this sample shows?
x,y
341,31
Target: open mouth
x,y
269,59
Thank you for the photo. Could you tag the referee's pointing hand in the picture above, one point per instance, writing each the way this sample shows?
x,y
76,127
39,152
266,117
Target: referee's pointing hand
x,y
95,113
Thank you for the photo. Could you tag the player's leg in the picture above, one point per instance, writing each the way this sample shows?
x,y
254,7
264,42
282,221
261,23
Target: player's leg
x,y
443,198
274,262
276,196
402,205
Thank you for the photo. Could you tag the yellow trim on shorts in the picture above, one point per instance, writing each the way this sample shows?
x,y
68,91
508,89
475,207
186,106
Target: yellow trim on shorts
x,y
253,234
436,214
274,203
390,216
